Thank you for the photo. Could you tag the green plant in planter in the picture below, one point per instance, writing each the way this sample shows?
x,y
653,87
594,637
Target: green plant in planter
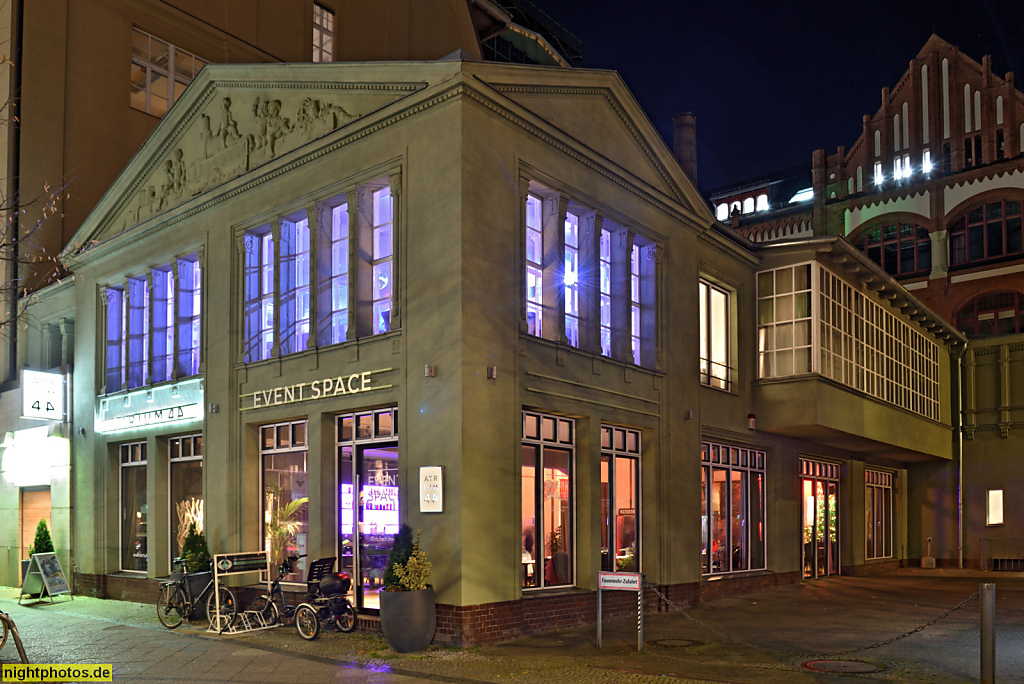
x,y
408,566
42,543
283,523
195,551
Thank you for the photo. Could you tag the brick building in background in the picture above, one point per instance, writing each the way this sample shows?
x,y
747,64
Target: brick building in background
x,y
932,191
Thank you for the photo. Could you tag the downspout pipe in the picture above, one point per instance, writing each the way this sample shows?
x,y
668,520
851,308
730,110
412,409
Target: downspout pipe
x,y
14,180
960,455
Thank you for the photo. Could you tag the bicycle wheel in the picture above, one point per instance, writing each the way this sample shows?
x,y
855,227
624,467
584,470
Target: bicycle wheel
x,y
169,607
265,606
228,608
347,621
3,637
307,623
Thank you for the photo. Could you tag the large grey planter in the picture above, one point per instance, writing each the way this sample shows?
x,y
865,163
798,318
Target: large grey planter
x,y
407,619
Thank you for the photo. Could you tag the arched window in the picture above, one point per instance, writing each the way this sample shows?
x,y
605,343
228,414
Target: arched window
x,y
1001,313
762,202
748,205
723,212
902,249
987,231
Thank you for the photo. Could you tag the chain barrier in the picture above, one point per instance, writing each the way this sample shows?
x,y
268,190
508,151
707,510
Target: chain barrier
x,y
878,644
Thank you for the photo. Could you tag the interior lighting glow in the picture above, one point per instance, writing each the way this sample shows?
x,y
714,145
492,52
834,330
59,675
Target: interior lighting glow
x,y
926,162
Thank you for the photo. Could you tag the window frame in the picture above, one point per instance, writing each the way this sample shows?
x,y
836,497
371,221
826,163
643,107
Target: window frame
x,y
706,291
534,437
739,459
879,483
324,20
1008,225
171,72
194,441
620,444
132,459
992,312
291,447
881,241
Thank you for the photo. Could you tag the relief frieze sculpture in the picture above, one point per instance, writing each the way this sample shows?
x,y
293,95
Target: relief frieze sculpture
x,y
222,147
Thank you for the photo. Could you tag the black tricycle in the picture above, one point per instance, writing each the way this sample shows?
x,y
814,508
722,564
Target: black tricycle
x,y
326,599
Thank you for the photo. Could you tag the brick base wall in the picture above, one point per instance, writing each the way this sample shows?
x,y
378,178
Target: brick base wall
x,y
464,626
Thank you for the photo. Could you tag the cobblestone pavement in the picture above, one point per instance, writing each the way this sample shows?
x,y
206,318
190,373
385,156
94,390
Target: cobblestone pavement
x,y
760,637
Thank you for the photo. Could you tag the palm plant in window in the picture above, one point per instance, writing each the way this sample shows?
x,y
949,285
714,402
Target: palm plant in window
x,y
282,522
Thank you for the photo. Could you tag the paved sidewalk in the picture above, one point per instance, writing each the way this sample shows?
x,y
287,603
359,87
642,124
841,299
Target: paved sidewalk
x,y
761,637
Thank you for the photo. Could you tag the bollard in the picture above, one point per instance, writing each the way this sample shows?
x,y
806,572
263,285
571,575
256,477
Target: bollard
x,y
988,633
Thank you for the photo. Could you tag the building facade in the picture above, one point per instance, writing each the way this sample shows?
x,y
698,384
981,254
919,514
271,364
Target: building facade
x,y
382,268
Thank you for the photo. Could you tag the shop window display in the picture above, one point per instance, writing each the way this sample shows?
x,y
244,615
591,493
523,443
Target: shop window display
x,y
185,459
732,506
283,452
548,547
620,499
134,508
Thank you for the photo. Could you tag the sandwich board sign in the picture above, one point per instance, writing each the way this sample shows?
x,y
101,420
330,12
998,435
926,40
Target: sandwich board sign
x,y
45,577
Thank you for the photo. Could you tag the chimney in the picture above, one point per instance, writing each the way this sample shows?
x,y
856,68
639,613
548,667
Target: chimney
x,y
684,130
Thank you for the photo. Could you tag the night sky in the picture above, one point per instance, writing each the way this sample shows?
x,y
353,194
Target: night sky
x,y
772,81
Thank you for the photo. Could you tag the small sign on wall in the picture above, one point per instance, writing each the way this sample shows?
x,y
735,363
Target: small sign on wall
x,y
431,499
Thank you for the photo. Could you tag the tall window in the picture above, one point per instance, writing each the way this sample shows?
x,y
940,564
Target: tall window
x,y
339,274
285,481
382,260
620,499
283,306
186,463
571,278
1000,313
987,231
634,303
879,513
153,326
160,71
294,284
134,507
606,293
714,336
547,503
733,506
594,286
323,34
534,266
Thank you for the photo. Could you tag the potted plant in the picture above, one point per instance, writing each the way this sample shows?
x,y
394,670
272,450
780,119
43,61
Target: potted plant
x,y
42,543
196,554
407,611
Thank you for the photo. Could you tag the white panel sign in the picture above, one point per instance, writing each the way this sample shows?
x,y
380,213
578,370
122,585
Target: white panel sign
x,y
431,499
42,395
626,581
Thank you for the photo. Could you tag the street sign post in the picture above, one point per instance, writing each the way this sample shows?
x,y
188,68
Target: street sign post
x,y
623,581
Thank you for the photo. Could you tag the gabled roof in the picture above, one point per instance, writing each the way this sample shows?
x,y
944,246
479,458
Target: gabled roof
x,y
236,122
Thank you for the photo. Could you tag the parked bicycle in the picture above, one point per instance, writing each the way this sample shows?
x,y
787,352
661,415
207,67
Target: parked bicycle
x,y
10,628
326,601
265,605
177,601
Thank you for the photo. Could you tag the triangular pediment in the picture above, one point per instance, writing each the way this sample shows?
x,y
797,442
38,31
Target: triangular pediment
x,y
226,125
595,108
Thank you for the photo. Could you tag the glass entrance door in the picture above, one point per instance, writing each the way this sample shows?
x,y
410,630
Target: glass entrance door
x,y
820,527
377,519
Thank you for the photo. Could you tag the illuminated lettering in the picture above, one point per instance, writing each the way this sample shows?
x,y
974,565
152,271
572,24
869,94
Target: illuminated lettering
x,y
315,389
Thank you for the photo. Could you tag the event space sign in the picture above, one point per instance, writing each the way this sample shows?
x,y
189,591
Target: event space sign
x,y
324,388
